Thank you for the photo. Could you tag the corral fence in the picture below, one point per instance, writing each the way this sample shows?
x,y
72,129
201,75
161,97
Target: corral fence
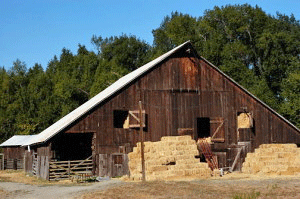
x,y
1,161
14,164
80,169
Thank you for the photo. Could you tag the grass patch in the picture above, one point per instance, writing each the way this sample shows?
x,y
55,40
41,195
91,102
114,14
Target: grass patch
x,y
251,195
22,177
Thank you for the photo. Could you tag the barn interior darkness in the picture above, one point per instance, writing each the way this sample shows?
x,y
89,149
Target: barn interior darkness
x,y
203,127
72,146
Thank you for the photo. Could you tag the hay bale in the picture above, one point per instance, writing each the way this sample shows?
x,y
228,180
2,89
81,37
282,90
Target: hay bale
x,y
244,120
173,156
273,159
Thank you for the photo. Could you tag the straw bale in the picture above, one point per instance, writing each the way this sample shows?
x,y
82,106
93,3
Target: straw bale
x,y
168,158
168,138
177,172
188,161
273,159
171,159
244,121
132,156
184,137
185,157
136,177
165,153
156,168
176,153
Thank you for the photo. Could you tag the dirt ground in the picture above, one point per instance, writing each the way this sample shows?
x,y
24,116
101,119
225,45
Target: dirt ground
x,y
235,185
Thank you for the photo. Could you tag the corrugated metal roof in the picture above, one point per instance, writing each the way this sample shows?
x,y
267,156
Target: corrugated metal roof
x,y
17,140
109,91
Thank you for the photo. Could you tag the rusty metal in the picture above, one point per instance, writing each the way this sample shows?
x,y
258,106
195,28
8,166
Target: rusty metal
x,y
206,151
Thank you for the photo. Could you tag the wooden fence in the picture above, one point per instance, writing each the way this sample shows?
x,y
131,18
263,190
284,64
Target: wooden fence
x,y
1,161
15,164
69,169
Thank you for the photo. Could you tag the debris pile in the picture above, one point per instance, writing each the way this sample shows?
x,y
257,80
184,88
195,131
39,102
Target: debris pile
x,y
279,159
172,157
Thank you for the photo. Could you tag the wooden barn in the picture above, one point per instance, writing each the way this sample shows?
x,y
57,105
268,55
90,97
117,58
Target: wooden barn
x,y
13,152
181,93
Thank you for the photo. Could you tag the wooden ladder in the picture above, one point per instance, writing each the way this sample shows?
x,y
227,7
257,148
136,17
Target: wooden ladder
x,y
206,151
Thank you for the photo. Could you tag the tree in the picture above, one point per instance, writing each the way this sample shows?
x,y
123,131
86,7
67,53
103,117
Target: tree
x,y
117,57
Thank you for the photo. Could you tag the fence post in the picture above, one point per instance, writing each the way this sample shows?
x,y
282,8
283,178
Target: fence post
x,y
2,161
69,167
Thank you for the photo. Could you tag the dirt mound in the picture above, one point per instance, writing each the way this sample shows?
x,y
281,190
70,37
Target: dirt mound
x,y
172,157
279,159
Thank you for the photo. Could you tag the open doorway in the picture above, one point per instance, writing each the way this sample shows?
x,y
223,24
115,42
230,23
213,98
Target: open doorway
x,y
203,127
73,146
203,131
245,127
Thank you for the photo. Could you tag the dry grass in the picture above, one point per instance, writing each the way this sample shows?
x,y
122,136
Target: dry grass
x,y
4,194
22,177
235,187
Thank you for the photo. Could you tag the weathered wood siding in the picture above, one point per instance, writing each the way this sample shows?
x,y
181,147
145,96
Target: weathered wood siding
x,y
174,94
13,152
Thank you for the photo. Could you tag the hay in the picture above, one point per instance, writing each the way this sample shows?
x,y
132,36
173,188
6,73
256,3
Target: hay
x,y
172,157
244,120
275,159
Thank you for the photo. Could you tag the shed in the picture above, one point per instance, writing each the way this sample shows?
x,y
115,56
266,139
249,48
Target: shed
x,y
13,152
181,93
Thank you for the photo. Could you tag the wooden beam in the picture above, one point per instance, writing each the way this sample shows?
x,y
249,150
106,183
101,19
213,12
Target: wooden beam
x,y
142,143
235,160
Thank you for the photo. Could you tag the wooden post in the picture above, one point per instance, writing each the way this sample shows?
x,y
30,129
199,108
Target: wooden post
x,y
2,161
142,143
69,166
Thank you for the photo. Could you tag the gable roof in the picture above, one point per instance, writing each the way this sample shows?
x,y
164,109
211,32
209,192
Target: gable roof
x,y
97,99
17,140
117,86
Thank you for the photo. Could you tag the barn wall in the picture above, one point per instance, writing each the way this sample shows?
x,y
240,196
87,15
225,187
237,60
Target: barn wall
x,y
174,94
13,152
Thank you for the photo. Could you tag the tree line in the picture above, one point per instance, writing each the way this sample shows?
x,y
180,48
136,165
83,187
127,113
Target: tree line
x,y
259,51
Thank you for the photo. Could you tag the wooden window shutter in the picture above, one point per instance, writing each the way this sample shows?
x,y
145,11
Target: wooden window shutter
x,y
133,119
217,129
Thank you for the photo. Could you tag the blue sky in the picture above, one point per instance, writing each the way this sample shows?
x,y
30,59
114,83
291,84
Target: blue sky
x,y
34,30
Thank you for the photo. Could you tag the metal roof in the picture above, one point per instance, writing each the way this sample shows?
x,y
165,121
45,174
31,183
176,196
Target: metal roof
x,y
87,106
17,140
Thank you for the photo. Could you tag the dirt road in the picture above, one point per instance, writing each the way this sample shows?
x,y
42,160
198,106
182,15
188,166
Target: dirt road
x,y
230,186
19,190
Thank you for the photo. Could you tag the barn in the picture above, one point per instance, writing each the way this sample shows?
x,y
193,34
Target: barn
x,y
181,94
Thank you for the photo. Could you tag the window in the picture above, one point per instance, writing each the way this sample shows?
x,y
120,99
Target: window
x,y
120,117
128,119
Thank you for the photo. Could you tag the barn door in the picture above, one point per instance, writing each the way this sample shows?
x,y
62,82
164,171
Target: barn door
x,y
211,127
217,129
113,165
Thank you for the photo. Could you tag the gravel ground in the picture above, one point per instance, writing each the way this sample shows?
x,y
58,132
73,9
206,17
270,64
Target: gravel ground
x,y
24,191
225,187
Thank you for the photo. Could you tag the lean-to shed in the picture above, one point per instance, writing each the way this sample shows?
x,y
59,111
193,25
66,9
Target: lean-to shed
x,y
13,152
181,93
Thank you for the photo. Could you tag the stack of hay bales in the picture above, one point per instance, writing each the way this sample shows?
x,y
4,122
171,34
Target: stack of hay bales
x,y
172,157
279,159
